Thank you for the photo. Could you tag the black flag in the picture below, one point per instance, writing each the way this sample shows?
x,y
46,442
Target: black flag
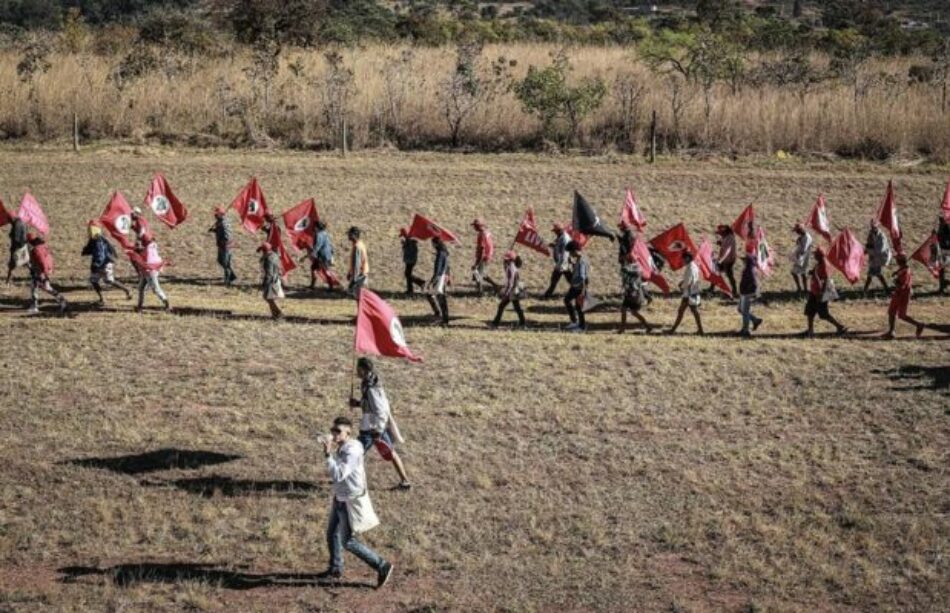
x,y
586,221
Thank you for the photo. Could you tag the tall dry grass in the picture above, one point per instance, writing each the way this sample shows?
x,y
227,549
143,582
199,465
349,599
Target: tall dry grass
x,y
396,101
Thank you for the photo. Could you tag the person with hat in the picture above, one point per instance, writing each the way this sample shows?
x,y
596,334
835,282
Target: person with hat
x,y
102,262
484,250
351,510
690,286
900,300
748,292
148,263
726,259
878,249
634,293
19,252
41,267
562,265
359,263
223,238
270,284
321,257
437,284
821,291
377,426
801,257
513,291
410,256
574,299
139,226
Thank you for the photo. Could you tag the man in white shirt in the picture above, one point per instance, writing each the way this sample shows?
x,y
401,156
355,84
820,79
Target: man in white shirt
x,y
801,258
345,464
691,291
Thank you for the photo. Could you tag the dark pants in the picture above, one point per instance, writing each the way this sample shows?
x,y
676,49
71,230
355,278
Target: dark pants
x,y
573,309
727,271
440,307
412,280
516,304
224,261
556,276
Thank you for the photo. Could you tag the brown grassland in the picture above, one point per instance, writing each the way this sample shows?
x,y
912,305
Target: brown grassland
x,y
168,461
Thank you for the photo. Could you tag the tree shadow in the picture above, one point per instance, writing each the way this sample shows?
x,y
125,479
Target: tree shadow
x,y
160,459
936,378
125,575
218,485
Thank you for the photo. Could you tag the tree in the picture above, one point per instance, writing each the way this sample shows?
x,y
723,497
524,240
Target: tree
x,y
283,22
467,87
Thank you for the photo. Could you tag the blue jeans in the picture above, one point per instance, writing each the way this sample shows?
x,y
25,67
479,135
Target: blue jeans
x,y
339,536
745,307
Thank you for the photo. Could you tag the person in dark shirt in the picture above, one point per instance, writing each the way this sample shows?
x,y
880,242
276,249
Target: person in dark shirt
x,y
410,256
437,284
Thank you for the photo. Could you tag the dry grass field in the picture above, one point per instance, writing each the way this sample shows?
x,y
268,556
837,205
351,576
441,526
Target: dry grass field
x,y
168,461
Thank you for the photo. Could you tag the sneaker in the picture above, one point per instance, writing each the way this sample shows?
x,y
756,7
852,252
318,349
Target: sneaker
x,y
756,324
572,326
62,306
33,310
168,305
404,485
382,577
578,330
920,330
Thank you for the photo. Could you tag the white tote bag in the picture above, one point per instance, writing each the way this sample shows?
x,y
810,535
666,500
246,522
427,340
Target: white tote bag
x,y
361,513
831,292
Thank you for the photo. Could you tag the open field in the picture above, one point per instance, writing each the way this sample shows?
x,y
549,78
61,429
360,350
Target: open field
x,y
168,461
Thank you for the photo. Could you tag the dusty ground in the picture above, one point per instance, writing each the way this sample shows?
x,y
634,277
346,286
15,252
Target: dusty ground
x,y
168,461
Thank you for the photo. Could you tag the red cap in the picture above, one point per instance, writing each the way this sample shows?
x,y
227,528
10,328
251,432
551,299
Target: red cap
x,y
510,255
403,232
218,211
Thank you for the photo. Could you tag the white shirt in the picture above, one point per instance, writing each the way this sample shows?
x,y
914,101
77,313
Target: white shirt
x,y
691,280
347,471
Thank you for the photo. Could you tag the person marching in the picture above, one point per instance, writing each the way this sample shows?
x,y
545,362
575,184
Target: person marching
x,y
900,300
580,278
690,285
41,267
820,292
634,294
271,285
562,265
410,256
513,291
19,252
879,255
727,255
148,263
344,457
377,424
140,228
321,258
102,262
359,263
484,250
625,240
223,238
748,293
943,249
801,258
437,284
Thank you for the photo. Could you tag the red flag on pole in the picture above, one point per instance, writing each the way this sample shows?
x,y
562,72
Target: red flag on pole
x,y
887,216
759,246
641,253
251,206
528,234
847,255
424,229
672,244
744,224
928,255
378,330
117,219
817,219
5,217
163,202
576,235
709,269
631,214
31,213
300,221
944,206
275,238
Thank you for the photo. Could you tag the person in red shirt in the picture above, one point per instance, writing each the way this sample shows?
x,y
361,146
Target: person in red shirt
x,y
41,266
819,296
484,249
900,300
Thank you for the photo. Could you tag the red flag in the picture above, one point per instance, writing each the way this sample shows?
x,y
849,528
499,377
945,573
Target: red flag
x,y
300,221
5,217
117,219
741,226
887,216
817,219
847,255
759,247
41,258
944,207
672,244
32,214
631,214
576,235
424,229
276,240
251,206
528,234
163,202
926,254
641,252
378,330
708,268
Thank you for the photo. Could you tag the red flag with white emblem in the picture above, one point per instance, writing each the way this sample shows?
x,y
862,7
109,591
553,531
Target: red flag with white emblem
x,y
709,269
928,255
641,253
817,219
887,216
759,247
117,219
744,224
847,255
31,213
944,206
300,221
276,240
424,229
528,234
378,329
672,244
163,202
631,214
251,206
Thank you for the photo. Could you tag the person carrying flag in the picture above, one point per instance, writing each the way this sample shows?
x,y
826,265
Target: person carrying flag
x,y
102,262
748,293
437,284
819,294
148,263
484,249
19,252
634,293
690,285
580,278
879,255
222,238
562,265
801,258
359,262
513,291
270,283
139,225
900,300
410,256
624,243
321,257
943,249
726,260
41,266
376,425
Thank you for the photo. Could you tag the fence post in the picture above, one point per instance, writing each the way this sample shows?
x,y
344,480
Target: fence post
x,y
653,138
75,132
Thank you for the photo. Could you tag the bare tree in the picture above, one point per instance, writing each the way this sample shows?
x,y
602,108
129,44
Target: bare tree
x,y
338,90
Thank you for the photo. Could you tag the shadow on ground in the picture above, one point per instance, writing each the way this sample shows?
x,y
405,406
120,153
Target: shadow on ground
x,y
217,485
936,378
161,459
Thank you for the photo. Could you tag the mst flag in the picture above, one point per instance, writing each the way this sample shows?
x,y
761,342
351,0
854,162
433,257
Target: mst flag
x,y
251,206
744,224
672,244
276,240
631,214
378,330
709,269
163,202
423,229
944,206
847,255
117,219
586,221
528,234
641,253
927,254
759,246
817,219
5,217
31,213
300,221
887,216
